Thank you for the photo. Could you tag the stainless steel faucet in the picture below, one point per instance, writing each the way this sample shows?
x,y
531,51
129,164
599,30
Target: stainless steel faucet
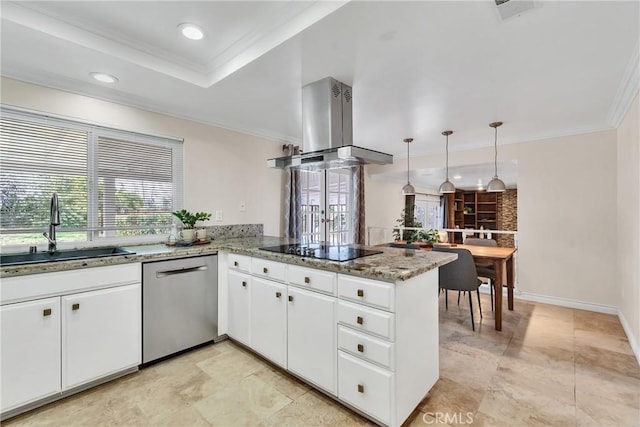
x,y
54,220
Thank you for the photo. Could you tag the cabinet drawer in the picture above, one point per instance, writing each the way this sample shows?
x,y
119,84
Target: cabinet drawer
x,y
240,262
366,347
271,269
315,280
365,386
33,286
369,292
366,319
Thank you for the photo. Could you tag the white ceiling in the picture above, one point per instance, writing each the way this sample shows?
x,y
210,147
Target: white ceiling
x,y
417,68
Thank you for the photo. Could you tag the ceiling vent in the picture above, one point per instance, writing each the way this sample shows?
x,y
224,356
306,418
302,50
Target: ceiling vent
x,y
509,8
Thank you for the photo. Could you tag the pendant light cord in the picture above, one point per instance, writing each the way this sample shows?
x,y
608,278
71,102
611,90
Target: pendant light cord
x,y
447,150
495,152
408,142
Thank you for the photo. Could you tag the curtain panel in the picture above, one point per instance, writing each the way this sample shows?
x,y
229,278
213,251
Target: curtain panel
x,y
293,206
359,230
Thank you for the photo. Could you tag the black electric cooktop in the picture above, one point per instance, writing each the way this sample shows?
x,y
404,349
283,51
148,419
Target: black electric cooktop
x,y
321,251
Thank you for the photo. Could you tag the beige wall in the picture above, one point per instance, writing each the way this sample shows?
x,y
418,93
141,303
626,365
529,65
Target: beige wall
x,y
222,168
628,212
566,213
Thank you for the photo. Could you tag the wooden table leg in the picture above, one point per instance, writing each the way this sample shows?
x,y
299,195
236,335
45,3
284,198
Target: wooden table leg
x,y
510,282
498,294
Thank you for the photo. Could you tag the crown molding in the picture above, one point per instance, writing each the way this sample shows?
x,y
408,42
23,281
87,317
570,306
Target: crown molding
x,y
627,90
296,18
55,28
115,96
255,44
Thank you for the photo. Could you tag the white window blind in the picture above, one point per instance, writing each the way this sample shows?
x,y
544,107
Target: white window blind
x,y
110,183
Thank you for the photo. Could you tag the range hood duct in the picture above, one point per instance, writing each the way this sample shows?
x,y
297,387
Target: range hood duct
x,y
327,134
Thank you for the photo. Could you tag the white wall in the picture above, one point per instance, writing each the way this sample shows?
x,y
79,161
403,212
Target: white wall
x,y
628,212
566,213
222,168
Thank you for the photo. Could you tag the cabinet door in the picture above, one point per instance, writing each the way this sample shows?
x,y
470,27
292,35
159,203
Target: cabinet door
x,y
101,333
30,356
311,327
239,316
269,320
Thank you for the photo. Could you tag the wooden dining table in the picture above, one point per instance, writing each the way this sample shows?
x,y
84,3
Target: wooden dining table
x,y
502,259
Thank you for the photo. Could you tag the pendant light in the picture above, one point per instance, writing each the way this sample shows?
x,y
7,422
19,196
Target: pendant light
x,y
496,185
447,186
408,189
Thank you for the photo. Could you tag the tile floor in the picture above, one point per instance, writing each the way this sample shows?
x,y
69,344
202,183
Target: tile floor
x,y
549,366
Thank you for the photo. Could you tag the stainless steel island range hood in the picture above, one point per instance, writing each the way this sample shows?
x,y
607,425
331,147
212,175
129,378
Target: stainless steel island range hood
x,y
327,138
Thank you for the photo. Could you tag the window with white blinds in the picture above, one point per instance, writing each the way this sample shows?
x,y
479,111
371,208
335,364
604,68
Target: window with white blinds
x,y
110,183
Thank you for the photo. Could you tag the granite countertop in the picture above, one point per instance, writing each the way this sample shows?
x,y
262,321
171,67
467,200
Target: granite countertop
x,y
391,265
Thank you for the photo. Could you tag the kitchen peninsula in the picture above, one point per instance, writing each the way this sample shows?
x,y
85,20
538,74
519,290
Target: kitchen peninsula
x,y
364,331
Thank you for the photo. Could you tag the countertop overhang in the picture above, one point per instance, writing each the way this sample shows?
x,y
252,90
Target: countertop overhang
x,y
392,265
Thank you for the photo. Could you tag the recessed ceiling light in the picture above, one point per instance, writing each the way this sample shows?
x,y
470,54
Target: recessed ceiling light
x,y
104,77
457,177
191,31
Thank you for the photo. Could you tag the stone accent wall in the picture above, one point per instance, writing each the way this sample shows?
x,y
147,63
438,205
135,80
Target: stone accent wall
x,y
507,216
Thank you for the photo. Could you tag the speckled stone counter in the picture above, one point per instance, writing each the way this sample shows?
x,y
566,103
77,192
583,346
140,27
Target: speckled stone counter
x,y
391,265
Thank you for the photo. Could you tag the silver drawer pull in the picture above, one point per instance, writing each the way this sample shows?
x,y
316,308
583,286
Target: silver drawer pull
x,y
360,320
278,294
360,388
265,270
166,273
361,348
75,306
244,283
307,280
46,312
360,292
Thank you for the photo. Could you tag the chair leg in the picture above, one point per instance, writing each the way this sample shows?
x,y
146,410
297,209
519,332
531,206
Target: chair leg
x,y
473,323
458,297
479,305
446,300
491,290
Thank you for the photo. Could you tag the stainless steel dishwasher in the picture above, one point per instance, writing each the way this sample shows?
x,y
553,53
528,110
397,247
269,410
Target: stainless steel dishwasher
x,y
179,305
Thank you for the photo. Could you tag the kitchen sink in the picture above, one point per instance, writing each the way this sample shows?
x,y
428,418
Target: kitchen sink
x,y
63,255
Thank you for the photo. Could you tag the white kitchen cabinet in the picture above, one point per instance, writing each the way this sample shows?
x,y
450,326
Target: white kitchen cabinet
x,y
372,345
388,344
269,320
312,279
366,387
101,333
239,294
311,327
30,356
48,348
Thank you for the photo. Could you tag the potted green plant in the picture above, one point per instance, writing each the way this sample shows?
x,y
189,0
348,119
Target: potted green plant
x,y
428,236
189,220
406,221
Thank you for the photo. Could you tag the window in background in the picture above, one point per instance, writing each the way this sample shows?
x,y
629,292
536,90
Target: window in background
x,y
110,183
428,211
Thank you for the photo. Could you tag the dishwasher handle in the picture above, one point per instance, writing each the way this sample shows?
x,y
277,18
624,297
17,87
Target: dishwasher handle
x,y
166,273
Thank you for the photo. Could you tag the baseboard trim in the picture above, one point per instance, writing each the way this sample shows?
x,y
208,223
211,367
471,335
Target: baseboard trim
x,y
633,342
563,302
